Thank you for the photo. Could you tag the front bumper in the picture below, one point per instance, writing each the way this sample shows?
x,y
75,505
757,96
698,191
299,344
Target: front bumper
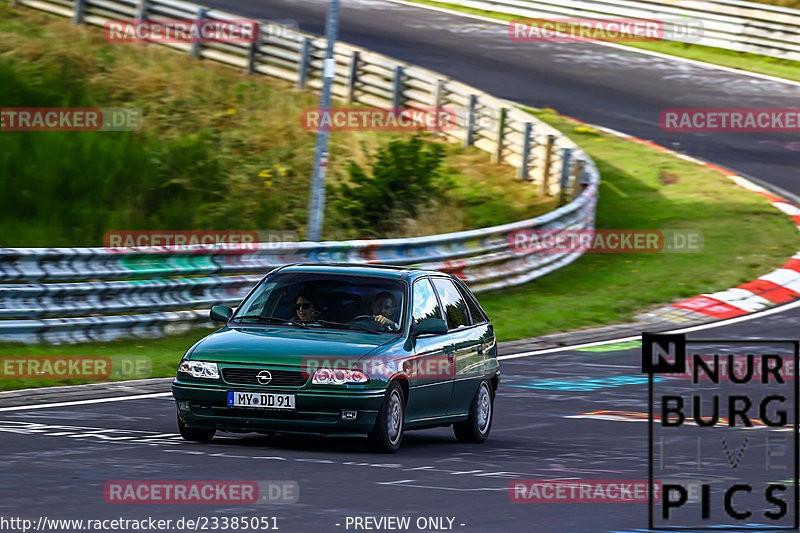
x,y
318,412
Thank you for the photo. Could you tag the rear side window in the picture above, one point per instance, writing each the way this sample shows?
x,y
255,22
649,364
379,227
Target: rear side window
x,y
455,309
424,302
477,313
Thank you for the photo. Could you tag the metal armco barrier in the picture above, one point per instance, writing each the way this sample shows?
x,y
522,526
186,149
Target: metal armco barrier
x,y
68,295
731,24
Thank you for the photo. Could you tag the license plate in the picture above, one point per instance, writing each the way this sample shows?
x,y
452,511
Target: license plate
x,y
263,400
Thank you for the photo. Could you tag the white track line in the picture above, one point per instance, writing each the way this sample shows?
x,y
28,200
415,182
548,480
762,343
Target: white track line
x,y
83,402
101,383
726,322
611,45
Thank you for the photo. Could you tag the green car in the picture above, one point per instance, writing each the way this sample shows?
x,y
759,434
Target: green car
x,y
344,350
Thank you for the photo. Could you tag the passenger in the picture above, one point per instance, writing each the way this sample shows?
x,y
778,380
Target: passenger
x,y
306,308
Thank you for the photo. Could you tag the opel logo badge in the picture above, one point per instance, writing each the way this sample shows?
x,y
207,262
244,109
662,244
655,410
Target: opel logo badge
x,y
264,377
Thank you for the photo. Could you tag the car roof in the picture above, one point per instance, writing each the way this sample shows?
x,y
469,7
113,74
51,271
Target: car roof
x,y
368,269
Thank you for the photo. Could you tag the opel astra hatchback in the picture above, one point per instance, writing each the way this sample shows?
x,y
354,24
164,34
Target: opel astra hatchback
x,y
344,350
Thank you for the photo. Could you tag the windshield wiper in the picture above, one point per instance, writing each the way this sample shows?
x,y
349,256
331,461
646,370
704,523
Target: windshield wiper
x,y
346,326
272,319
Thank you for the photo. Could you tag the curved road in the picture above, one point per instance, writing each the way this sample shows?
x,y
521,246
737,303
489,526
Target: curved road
x,y
57,459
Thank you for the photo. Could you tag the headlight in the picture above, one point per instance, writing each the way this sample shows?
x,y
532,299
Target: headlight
x,y
199,369
338,376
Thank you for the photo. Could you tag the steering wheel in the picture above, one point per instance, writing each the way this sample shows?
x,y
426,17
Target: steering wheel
x,y
371,319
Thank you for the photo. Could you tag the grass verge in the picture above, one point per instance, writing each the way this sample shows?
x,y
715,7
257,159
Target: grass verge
x,y
643,188
218,150
771,66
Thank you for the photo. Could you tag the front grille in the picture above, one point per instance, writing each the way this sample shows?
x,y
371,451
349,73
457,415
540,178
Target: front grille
x,y
273,414
280,378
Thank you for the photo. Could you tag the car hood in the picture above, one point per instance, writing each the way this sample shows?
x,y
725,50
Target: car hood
x,y
283,346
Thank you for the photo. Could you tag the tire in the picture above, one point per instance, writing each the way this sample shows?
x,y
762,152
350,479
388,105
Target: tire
x,y
195,434
475,429
387,434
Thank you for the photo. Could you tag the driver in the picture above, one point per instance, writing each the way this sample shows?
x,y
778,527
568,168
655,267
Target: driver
x,y
383,308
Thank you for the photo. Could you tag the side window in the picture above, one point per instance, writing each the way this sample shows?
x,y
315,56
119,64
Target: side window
x,y
455,309
478,315
424,303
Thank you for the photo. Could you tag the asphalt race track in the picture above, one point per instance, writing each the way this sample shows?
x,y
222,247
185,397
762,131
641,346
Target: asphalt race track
x,y
56,460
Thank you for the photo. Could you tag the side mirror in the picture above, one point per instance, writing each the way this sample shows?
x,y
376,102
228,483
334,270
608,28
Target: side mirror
x,y
220,313
433,326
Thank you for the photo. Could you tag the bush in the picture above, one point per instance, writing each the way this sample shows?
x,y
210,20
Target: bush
x,y
406,176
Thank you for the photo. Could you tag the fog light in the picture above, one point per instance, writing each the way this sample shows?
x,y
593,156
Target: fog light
x,y
349,415
183,405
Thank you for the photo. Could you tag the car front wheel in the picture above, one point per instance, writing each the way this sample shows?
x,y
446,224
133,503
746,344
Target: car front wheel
x,y
195,434
388,431
476,427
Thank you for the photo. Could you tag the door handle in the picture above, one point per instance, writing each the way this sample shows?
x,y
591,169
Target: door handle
x,y
480,350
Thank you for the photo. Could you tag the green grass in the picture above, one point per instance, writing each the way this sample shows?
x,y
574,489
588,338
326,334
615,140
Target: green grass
x,y
162,355
781,68
218,150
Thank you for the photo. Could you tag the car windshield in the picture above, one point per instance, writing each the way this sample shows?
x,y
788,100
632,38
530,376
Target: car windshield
x,y
331,301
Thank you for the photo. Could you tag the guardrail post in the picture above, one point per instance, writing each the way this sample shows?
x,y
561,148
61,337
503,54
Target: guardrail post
x,y
141,10
438,90
497,156
77,17
576,184
397,93
353,77
564,184
251,54
522,172
194,51
305,60
544,187
469,137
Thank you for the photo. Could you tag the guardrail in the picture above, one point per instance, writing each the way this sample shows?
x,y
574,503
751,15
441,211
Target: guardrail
x,y
730,24
93,294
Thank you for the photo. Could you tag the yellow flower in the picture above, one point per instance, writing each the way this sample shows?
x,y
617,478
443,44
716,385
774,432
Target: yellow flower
x,y
585,129
281,170
265,174
230,111
267,183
